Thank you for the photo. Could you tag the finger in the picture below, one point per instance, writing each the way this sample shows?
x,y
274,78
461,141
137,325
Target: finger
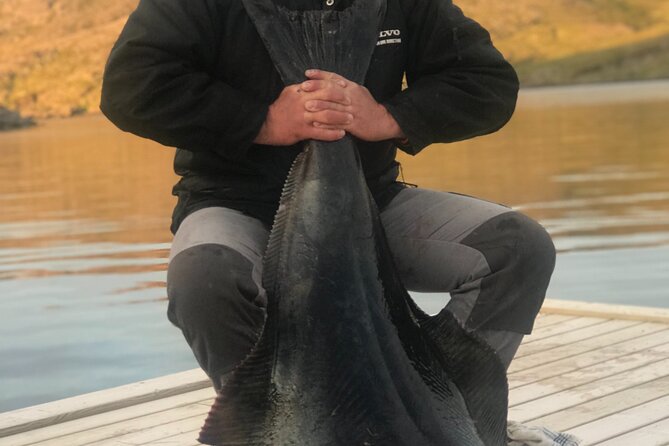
x,y
321,84
330,117
326,75
336,95
297,88
314,85
328,127
319,105
326,134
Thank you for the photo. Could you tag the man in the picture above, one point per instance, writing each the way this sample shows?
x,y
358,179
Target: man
x,y
195,74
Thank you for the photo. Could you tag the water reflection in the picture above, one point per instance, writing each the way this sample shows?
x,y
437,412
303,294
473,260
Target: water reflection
x,y
604,166
83,248
84,229
592,165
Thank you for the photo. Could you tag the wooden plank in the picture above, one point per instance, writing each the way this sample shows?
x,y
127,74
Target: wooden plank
x,y
601,407
561,328
577,395
112,432
557,352
572,336
546,320
35,417
152,434
185,439
588,374
555,328
623,422
656,434
97,425
58,431
607,311
572,363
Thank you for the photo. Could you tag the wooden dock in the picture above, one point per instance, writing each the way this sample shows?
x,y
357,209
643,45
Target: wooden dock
x,y
600,372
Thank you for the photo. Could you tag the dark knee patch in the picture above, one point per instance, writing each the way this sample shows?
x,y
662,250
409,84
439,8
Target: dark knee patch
x,y
206,277
537,252
521,256
513,238
212,299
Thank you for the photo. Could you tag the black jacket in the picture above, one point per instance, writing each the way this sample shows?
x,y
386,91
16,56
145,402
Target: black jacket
x,y
194,74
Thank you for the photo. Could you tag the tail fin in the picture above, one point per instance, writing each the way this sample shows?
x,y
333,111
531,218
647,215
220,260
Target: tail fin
x,y
467,360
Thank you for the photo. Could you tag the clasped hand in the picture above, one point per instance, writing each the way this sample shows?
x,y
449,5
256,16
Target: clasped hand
x,y
325,107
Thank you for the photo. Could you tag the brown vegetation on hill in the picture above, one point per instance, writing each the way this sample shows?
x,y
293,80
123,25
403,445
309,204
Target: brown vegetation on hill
x,y
577,41
53,51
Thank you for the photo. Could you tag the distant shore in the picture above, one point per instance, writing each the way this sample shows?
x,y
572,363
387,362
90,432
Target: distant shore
x,y
595,93
11,120
541,96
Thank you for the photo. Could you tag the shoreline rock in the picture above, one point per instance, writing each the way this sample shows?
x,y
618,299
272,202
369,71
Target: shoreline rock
x,y
11,120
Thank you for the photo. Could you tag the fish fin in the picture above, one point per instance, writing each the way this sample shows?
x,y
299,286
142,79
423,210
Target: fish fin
x,y
272,257
467,360
242,407
250,407
476,370
244,403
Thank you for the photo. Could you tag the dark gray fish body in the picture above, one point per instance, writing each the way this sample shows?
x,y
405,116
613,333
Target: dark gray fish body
x,y
345,357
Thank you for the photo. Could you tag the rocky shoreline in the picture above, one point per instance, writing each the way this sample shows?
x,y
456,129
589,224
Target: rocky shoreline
x,y
11,120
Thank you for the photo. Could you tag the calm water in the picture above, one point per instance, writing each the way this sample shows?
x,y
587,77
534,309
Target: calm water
x,y
85,214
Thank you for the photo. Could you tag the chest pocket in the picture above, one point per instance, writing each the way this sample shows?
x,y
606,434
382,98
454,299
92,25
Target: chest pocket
x,y
386,70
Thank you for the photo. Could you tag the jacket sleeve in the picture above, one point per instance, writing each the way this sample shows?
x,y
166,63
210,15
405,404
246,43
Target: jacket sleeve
x,y
159,81
460,86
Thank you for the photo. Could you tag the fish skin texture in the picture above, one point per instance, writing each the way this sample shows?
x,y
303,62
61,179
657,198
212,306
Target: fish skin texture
x,y
346,357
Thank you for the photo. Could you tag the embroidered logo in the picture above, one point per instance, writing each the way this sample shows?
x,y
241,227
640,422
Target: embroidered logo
x,y
389,36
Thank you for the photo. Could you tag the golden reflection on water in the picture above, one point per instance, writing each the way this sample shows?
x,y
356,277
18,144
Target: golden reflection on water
x,y
84,230
597,169
580,169
83,180
84,237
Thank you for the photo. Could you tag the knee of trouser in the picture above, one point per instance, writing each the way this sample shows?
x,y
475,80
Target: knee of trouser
x,y
206,282
521,257
515,241
532,243
536,250
531,259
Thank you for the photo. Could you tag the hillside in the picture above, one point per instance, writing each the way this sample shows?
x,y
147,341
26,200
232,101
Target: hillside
x,y
54,50
576,41
53,53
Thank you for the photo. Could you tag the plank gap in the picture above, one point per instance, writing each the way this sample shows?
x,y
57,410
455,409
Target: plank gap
x,y
603,336
568,326
602,378
623,421
652,350
540,348
605,405
97,428
653,434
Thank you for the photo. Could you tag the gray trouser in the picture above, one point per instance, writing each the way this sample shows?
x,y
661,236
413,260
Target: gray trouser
x,y
495,263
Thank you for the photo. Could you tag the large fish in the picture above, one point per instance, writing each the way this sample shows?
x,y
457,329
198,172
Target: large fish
x,y
345,357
